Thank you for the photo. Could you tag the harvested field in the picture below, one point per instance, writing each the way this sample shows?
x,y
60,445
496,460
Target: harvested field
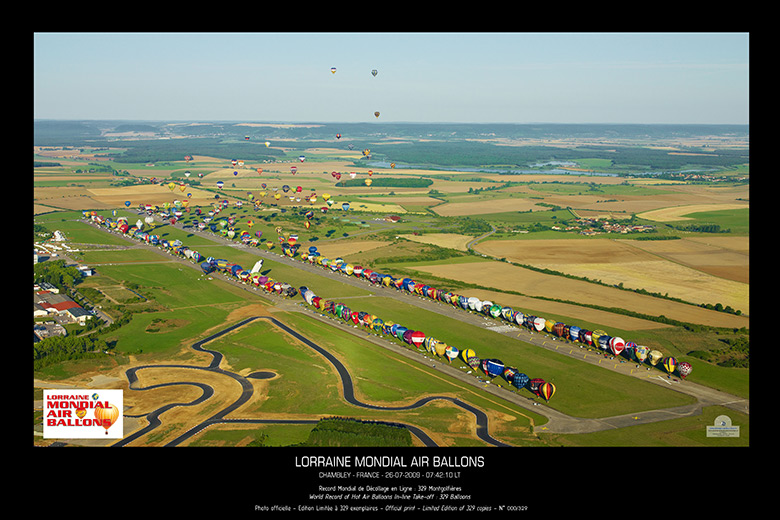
x,y
724,257
678,212
450,240
154,194
503,276
452,209
627,262
348,248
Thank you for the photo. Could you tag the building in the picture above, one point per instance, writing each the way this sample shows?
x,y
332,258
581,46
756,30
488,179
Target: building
x,y
47,303
46,330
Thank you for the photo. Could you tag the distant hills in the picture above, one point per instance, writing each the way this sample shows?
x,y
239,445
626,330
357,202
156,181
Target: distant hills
x,y
431,144
45,132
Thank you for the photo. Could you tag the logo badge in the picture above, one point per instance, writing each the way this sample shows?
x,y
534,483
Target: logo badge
x,y
82,414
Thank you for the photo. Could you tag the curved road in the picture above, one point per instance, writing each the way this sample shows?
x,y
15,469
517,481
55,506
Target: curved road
x,y
221,416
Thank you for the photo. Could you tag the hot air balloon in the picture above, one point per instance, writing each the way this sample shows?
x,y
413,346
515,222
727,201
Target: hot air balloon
x,y
670,364
220,184
538,324
127,203
616,345
509,373
374,72
547,390
376,114
535,385
520,380
417,338
333,70
345,206
107,415
338,136
654,356
684,369
451,352
493,367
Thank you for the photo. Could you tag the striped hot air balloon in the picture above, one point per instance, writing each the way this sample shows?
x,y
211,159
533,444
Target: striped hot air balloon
x,y
547,390
670,364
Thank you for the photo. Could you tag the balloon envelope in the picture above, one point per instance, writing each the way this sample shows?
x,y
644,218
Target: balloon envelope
x,y
547,390
451,352
519,380
616,345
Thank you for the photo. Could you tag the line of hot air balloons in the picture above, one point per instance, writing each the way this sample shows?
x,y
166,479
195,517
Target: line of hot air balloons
x,y
490,367
207,264
598,338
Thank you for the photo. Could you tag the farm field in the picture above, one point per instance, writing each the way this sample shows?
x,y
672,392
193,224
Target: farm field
x,y
679,268
511,239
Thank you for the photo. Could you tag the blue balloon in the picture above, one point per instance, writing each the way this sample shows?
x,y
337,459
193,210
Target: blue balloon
x,y
520,380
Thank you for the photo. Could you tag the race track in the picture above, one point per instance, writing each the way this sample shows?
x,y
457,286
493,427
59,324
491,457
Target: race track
x,y
221,416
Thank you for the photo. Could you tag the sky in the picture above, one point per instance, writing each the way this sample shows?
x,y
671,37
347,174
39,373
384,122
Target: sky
x,y
642,78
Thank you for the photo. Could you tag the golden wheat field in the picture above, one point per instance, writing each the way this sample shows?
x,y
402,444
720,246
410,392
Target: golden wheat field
x,y
639,265
449,240
503,276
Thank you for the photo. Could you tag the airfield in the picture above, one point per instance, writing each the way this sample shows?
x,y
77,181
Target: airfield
x,y
209,360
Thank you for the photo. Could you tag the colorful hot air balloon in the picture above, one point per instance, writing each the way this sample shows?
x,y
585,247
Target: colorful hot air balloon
x,y
670,364
451,352
333,70
547,390
376,114
374,72
640,353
